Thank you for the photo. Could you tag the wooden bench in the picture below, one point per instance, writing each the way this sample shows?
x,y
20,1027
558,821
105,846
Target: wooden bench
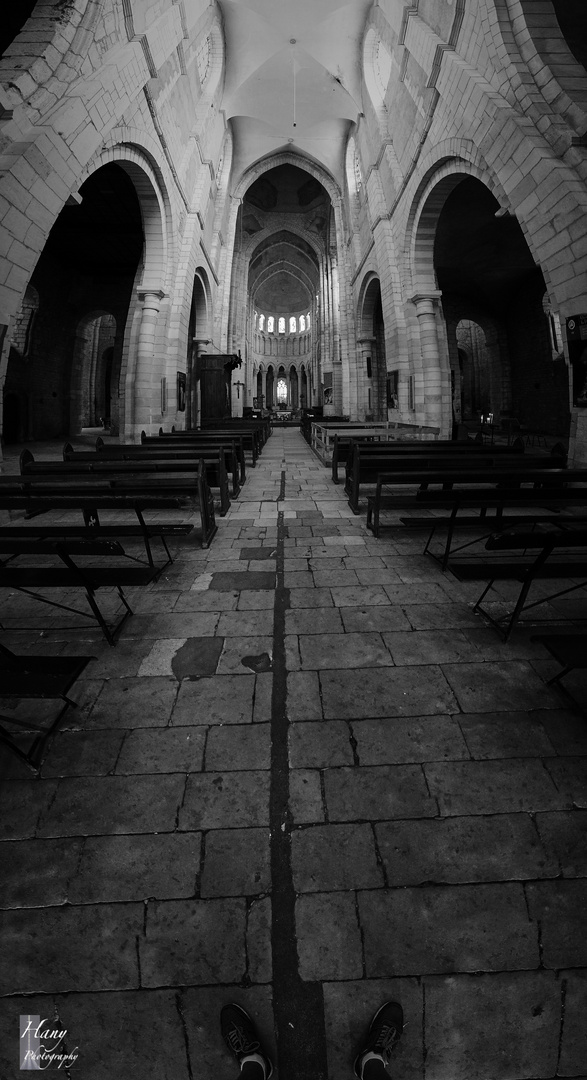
x,y
68,573
560,556
262,425
343,447
185,440
366,468
234,457
35,677
533,492
172,475
38,496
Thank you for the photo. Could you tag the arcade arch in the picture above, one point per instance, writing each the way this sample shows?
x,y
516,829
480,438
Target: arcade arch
x,y
470,261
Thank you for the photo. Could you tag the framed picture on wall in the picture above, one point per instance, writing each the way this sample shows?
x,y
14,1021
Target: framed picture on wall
x,y
181,391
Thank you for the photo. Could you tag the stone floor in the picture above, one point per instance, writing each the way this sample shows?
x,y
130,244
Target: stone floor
x,y
308,779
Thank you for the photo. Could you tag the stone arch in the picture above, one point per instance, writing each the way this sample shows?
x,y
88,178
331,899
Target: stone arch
x,y
155,210
144,345
42,43
552,45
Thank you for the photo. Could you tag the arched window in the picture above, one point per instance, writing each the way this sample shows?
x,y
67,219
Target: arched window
x,y
256,318
293,324
302,323
281,325
270,324
308,321
261,322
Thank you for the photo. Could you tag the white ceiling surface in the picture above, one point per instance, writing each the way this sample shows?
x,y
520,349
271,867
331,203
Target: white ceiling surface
x,y
260,67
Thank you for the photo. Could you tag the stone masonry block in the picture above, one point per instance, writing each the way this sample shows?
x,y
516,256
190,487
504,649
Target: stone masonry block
x,y
500,1025
334,857
559,907
52,950
447,929
328,937
193,942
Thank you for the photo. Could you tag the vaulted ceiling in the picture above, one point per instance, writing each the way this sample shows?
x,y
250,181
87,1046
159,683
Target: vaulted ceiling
x,y
292,77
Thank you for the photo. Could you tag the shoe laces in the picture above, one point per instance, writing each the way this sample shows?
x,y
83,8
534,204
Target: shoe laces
x,y
239,1042
385,1040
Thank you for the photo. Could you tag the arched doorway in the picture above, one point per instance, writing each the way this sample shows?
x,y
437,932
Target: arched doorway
x,y
372,343
198,340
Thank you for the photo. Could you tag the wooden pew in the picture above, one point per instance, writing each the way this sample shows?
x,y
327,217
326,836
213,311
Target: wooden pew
x,y
365,468
528,506
38,496
374,444
173,475
70,573
559,555
234,458
251,440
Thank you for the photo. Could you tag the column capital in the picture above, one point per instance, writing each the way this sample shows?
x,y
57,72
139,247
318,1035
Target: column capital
x,y
426,300
369,341
149,296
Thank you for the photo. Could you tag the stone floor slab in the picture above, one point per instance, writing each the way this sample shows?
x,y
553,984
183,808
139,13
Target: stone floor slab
x,y
320,745
236,863
410,691
447,929
246,746
321,651
492,787
124,868
101,949
400,740
113,804
328,936
378,793
511,734
225,800
156,750
35,873
500,1026
559,907
220,699
130,703
564,836
193,942
501,847
327,858
491,687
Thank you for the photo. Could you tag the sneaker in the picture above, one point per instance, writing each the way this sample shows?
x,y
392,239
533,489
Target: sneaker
x,y
241,1037
384,1032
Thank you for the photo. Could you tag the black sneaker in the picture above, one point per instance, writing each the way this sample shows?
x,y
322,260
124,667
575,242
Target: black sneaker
x,y
384,1033
241,1037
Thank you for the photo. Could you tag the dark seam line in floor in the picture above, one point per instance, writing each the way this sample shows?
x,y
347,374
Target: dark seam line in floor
x,y
298,1006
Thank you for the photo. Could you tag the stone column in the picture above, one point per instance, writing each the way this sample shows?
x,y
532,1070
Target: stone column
x,y
143,389
433,378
